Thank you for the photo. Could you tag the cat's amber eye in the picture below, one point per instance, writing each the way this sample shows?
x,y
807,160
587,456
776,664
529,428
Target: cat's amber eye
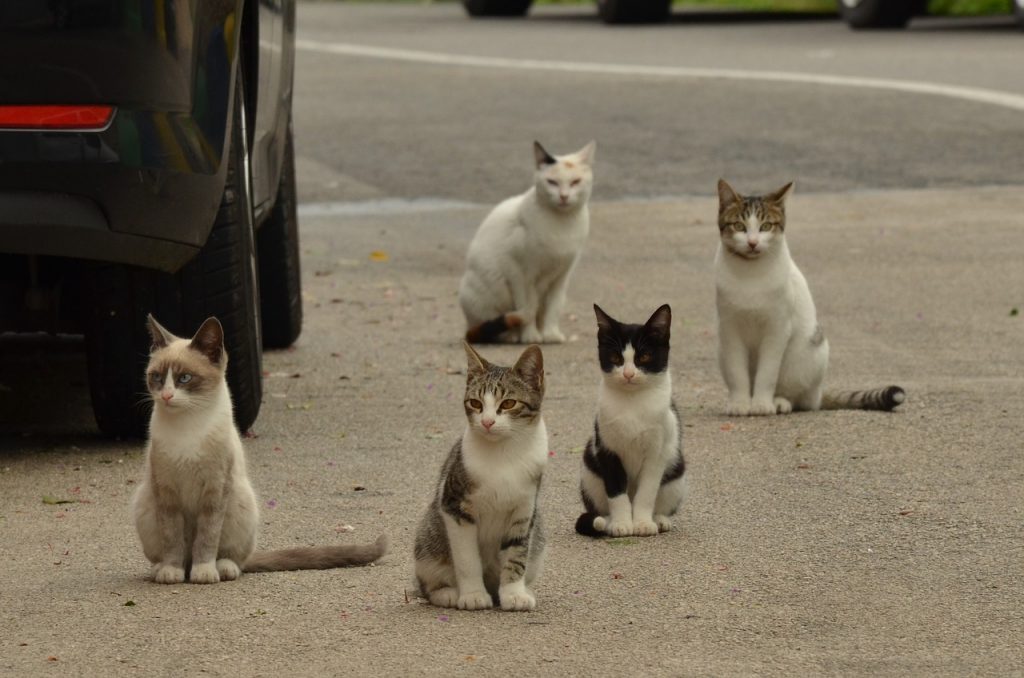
x,y
643,358
185,378
475,404
738,227
575,182
616,359
767,227
507,404
552,182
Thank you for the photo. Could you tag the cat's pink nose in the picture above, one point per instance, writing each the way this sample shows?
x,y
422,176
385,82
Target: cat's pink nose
x,y
564,197
167,395
629,374
752,244
487,423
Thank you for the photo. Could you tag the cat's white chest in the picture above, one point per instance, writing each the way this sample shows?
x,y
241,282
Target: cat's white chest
x,y
637,426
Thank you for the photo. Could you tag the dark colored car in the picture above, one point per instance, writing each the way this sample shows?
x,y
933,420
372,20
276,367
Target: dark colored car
x,y
856,13
146,166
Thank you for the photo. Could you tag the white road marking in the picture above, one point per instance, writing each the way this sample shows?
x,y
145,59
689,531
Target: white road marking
x,y
971,94
384,206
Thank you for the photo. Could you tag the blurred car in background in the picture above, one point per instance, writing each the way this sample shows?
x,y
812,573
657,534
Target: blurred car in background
x,y
146,166
856,13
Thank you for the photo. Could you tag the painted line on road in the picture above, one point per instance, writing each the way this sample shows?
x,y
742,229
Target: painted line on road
x,y
382,207
971,94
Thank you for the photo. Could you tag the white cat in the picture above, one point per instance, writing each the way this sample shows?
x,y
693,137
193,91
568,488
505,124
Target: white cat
x,y
522,256
772,351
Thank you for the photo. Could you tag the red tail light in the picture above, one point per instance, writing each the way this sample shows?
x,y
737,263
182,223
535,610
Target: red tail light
x,y
84,118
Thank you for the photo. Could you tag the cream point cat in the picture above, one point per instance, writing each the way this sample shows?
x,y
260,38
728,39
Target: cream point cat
x,y
772,352
195,510
523,254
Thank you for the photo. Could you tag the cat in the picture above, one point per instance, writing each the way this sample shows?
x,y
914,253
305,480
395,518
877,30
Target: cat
x,y
523,254
772,352
195,510
632,479
481,541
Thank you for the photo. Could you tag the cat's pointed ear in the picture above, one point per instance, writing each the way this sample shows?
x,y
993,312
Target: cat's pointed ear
x,y
586,154
660,322
530,367
605,323
541,156
726,195
780,195
209,340
475,361
160,335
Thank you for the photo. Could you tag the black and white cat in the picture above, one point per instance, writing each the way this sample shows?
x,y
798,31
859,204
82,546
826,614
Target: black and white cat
x,y
522,256
771,349
480,542
633,475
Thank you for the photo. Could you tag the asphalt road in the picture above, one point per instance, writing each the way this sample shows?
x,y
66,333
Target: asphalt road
x,y
844,543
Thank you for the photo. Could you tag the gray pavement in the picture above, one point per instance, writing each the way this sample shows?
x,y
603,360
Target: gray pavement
x,y
842,543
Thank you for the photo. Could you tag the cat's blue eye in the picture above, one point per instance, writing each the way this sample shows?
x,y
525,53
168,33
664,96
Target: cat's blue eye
x,y
185,378
767,227
157,377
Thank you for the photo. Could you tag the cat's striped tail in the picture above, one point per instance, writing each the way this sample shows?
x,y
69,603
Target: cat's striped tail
x,y
885,398
317,557
490,331
590,524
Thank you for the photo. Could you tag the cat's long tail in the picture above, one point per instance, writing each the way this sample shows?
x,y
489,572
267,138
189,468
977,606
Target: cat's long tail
x,y
490,331
590,524
885,398
317,557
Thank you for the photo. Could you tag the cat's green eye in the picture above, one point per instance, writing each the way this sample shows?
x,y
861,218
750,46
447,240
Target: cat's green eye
x,y
767,227
738,227
507,404
475,404
185,378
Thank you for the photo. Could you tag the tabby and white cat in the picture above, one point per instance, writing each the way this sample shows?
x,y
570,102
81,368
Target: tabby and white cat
x,y
632,479
481,542
195,510
521,258
772,351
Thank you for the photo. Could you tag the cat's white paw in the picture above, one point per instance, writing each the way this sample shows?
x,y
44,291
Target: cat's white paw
x,y
645,528
553,337
518,601
619,528
783,406
530,335
204,573
762,407
475,600
228,569
168,574
446,597
737,407
664,523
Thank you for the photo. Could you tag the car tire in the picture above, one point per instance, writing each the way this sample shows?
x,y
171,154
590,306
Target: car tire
x,y
860,14
482,8
277,242
220,281
634,11
1018,11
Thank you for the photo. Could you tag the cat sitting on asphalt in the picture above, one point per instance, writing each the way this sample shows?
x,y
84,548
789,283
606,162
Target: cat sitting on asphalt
x,y
195,510
481,542
772,352
523,254
633,480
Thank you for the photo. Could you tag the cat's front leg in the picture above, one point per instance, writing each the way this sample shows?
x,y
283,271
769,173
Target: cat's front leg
x,y
645,498
171,567
769,361
552,305
209,521
513,556
734,361
469,574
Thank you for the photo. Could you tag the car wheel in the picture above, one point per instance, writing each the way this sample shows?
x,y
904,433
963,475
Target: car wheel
x,y
277,242
220,281
1018,11
497,7
877,13
633,11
